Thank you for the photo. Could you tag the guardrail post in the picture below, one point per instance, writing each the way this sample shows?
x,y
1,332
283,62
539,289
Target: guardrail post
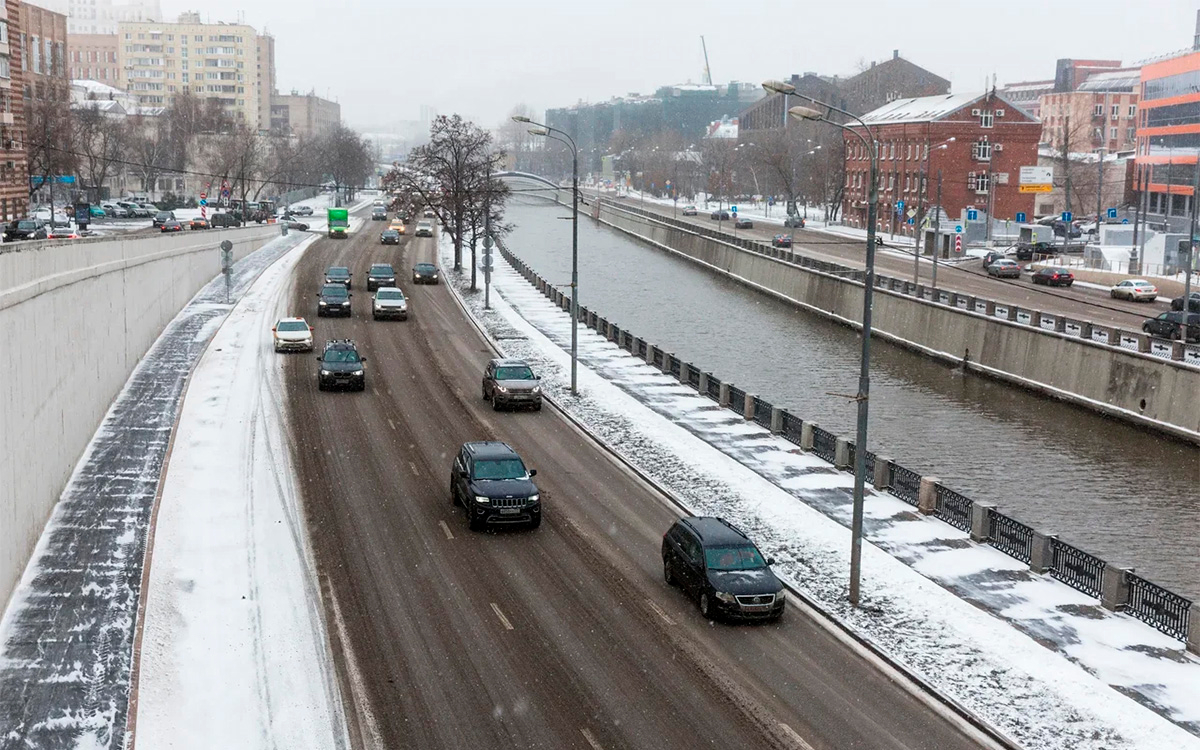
x,y
989,308
611,333
666,368
806,435
841,453
970,298
927,495
1041,557
1193,638
1143,342
1012,313
981,521
1060,324
1085,331
703,386
684,371
882,473
920,293
776,420
650,354
723,395
1035,319
1178,350
748,406
1114,587
952,299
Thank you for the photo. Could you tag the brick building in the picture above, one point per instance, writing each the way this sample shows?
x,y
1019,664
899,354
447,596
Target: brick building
x,y
93,57
1099,115
979,169
1028,95
43,42
14,175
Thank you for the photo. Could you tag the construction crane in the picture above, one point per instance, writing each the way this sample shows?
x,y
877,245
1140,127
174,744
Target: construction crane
x,y
707,72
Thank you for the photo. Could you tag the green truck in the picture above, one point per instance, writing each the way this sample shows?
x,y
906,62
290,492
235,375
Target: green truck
x,y
339,222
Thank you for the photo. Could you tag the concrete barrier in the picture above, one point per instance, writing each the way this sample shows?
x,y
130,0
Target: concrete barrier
x,y
1138,387
75,319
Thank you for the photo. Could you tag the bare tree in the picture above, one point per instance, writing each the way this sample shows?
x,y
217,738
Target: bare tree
x,y
346,157
101,142
50,142
153,149
719,158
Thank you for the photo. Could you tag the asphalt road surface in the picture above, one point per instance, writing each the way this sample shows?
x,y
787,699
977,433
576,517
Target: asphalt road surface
x,y
563,637
1077,302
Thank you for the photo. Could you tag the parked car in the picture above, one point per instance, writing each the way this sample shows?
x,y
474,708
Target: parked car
x,y
716,564
781,240
223,220
333,299
1135,290
341,366
199,223
425,273
293,335
339,275
26,229
1070,230
380,275
389,302
689,211
743,223
134,210
162,217
148,209
97,212
1193,302
1051,276
171,225
115,211
491,483
719,216
1026,251
794,221
511,382
1169,325
56,218
1003,268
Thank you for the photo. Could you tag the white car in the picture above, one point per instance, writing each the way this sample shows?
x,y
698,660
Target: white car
x,y
1136,290
293,335
424,228
389,302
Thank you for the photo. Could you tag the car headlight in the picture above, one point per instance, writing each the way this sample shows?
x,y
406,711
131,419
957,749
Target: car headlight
x,y
502,389
480,499
534,498
326,372
536,389
435,276
322,303
726,597
357,372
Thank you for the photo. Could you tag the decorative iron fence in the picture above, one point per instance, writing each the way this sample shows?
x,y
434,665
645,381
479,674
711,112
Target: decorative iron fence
x,y
676,367
1075,567
953,508
694,377
904,484
714,387
824,444
1009,535
659,358
1161,609
792,427
737,399
762,413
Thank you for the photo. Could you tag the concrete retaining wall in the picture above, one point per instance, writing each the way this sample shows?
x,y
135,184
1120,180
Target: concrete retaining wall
x,y
1138,387
75,319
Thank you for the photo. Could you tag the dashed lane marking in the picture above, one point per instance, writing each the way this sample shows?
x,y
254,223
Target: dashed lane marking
x,y
446,529
794,737
416,472
503,620
660,612
587,735
391,424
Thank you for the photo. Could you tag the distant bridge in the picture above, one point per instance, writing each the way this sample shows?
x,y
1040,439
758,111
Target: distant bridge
x,y
527,184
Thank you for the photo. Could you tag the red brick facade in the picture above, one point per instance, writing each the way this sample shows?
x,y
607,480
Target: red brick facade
x,y
980,160
14,175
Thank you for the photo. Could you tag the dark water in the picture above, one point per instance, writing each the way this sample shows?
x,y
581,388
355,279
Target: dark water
x,y
1119,492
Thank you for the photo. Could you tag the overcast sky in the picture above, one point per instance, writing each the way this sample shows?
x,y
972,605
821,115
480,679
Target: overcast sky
x,y
382,59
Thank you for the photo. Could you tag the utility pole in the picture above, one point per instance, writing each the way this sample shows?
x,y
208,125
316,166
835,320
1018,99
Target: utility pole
x,y
937,227
1067,178
487,238
1099,190
1191,250
1139,190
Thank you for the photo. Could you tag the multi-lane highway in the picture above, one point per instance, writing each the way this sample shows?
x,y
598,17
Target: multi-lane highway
x,y
563,637
1078,302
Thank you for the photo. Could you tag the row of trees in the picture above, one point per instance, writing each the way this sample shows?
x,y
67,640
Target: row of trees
x,y
193,137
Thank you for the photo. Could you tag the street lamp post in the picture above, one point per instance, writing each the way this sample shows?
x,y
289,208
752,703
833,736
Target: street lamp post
x,y
864,373
546,131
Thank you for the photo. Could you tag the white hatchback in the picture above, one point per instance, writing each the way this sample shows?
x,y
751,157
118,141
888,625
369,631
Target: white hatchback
x,y
1137,290
293,335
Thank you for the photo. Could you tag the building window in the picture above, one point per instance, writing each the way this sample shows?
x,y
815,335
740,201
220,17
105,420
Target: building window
x,y
1132,110
1113,133
1130,134
981,182
987,119
1116,111
1098,111
981,150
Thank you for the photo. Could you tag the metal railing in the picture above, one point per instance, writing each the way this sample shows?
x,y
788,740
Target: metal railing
x,y
1076,568
1010,536
792,428
953,508
1160,608
694,377
714,387
676,367
659,358
904,484
762,413
824,444
737,399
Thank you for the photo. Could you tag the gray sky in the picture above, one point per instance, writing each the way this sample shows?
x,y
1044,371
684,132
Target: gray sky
x,y
382,59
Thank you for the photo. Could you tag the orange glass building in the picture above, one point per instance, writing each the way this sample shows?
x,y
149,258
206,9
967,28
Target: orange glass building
x,y
1168,135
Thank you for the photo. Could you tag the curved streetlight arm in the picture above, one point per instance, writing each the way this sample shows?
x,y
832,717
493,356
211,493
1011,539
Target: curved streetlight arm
x,y
549,129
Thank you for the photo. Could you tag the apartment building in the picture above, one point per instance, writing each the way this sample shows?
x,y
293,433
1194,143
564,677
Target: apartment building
x,y
14,173
217,61
1100,115
102,16
92,57
43,45
303,115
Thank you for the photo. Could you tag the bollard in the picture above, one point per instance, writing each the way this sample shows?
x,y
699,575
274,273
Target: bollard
x,y
989,308
1060,324
841,454
685,370
1114,587
1143,342
650,349
1041,556
1178,350
927,496
806,435
970,302
1085,331
776,420
748,406
921,291
723,395
952,299
883,473
1012,313
981,521
1035,319
702,387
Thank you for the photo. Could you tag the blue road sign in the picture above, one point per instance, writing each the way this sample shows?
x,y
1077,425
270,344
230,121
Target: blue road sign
x,y
910,221
972,214
899,204
204,201
1124,221
1067,215
1112,213
733,209
1021,217
958,228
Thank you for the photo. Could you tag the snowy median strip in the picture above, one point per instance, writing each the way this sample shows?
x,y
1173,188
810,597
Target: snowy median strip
x,y
1066,695
234,649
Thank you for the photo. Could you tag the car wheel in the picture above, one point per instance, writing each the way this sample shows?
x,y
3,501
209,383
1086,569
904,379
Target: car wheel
x,y
1114,295
668,574
536,522
1068,284
320,386
483,389
537,406
495,403
472,523
705,605
453,495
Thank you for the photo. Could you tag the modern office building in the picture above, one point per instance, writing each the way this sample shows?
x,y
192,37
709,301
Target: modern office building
x,y
1168,133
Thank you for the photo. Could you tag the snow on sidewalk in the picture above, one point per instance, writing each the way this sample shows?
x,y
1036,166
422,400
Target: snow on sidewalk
x,y
926,586
234,653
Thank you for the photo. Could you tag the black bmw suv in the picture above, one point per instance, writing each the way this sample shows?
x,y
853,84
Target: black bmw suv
x,y
333,299
341,366
490,481
380,274
718,565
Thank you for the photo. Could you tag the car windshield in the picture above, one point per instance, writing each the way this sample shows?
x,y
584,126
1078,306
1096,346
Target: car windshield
x,y
341,355
390,233
502,468
426,267
26,225
334,290
734,558
515,372
396,294
337,272
292,325
382,270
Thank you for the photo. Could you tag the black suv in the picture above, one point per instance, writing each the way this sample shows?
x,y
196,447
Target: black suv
x,y
338,275
718,565
341,366
333,299
1193,302
380,274
222,220
26,229
379,213
1169,325
490,481
511,382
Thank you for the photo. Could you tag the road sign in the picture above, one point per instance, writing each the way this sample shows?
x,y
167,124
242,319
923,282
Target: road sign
x,y
972,214
958,243
1124,221
958,228
1021,217
910,220
733,209
1036,188
1112,213
900,204
911,213
1067,216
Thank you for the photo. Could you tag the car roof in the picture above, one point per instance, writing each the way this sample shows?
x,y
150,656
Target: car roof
x,y
714,531
390,289
509,362
341,344
423,263
490,449
293,320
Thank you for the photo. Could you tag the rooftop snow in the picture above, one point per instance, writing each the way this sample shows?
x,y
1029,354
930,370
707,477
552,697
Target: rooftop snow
x,y
1117,80
922,109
